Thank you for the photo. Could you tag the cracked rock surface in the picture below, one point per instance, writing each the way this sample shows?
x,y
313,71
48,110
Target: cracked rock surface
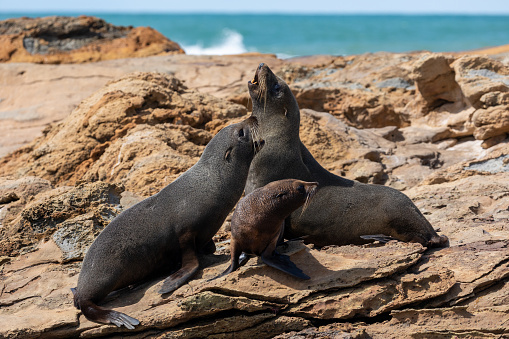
x,y
432,125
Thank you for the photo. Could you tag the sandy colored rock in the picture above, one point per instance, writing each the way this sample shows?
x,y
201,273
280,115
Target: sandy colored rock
x,y
435,81
491,122
395,119
77,215
478,75
445,322
80,39
139,123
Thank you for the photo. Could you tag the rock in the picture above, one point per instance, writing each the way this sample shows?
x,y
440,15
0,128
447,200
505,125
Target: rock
x,y
367,171
77,215
493,141
423,134
141,131
138,124
435,81
479,75
491,122
80,39
495,98
448,322
481,214
23,188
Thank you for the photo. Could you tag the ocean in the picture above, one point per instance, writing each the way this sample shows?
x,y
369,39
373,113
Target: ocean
x,y
289,35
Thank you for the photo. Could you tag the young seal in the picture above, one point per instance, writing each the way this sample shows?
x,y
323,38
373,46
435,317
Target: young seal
x,y
343,210
165,233
257,223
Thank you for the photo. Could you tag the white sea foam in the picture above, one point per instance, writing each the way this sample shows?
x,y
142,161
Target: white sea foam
x,y
231,43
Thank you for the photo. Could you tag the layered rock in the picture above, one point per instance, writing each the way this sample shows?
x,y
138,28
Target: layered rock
x,y
143,123
80,39
431,124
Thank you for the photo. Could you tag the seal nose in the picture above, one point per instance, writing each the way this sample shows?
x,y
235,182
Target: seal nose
x,y
260,66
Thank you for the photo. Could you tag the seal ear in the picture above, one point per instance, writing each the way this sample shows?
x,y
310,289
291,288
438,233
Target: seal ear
x,y
227,155
281,194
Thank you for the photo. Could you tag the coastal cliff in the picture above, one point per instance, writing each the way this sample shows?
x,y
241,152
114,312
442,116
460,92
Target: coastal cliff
x,y
433,125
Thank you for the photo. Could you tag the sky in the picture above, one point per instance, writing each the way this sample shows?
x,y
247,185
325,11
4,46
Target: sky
x,y
261,6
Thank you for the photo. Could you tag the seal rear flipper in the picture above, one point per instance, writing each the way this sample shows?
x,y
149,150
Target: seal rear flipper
x,y
189,267
283,263
229,270
238,259
76,299
378,237
100,315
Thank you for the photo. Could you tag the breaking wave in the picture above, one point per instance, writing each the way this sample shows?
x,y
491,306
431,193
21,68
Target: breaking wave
x,y
231,43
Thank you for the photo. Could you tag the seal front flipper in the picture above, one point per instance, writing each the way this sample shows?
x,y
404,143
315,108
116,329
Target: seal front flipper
x,y
100,315
189,267
283,263
378,237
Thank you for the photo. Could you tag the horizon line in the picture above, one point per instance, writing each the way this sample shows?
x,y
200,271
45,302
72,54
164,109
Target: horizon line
x,y
301,13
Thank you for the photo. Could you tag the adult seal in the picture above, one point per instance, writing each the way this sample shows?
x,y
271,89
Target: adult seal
x,y
167,231
343,211
257,223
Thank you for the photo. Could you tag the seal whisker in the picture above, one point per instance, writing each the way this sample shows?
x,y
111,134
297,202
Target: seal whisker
x,y
308,200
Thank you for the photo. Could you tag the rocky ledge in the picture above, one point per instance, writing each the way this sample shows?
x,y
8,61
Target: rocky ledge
x,y
56,39
432,125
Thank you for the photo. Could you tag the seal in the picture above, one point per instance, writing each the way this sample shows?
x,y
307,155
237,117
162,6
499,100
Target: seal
x,y
258,220
343,211
167,231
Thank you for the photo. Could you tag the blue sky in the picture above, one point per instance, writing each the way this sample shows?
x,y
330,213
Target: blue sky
x,y
262,6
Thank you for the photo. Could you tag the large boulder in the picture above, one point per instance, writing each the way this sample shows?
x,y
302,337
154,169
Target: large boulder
x,y
130,131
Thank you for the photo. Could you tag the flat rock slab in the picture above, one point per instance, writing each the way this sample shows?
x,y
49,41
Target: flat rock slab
x,y
36,283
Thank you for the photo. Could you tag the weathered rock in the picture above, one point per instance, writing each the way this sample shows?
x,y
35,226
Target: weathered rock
x,y
77,39
480,214
263,300
435,82
172,136
77,215
479,75
445,323
491,122
143,130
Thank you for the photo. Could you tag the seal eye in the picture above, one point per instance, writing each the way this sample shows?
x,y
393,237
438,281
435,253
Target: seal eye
x,y
301,189
241,133
277,87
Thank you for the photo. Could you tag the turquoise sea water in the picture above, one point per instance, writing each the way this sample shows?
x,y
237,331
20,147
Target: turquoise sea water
x,y
295,35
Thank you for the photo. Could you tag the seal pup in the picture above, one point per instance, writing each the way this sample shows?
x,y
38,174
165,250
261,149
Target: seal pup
x,y
343,210
258,221
167,231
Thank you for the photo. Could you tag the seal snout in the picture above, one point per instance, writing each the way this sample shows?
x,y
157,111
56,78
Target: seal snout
x,y
258,74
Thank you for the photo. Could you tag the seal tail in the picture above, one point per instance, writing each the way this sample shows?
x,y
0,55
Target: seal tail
x,y
100,315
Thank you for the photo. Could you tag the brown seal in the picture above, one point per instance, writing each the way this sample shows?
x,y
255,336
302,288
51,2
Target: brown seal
x,y
343,211
257,223
166,232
